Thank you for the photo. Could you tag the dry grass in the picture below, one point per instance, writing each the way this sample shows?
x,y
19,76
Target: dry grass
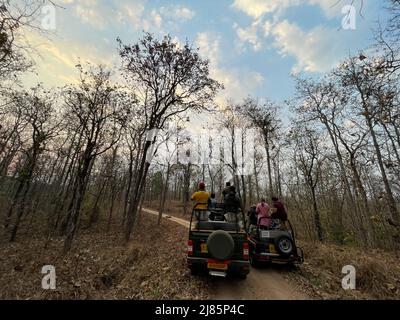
x,y
377,272
152,266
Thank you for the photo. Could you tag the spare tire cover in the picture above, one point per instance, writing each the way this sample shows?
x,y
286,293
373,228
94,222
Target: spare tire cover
x,y
220,245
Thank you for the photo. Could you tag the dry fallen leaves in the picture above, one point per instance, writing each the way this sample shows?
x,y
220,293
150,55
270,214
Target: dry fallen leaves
x,y
152,266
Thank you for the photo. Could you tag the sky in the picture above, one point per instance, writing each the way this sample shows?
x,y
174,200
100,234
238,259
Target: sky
x,y
254,46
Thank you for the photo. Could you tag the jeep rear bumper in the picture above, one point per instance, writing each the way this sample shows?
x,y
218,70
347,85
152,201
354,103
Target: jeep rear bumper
x,y
234,266
277,258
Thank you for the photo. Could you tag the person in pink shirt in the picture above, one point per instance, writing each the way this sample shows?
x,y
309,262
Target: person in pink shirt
x,y
263,211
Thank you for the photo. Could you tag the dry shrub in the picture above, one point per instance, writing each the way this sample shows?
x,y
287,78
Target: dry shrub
x,y
377,272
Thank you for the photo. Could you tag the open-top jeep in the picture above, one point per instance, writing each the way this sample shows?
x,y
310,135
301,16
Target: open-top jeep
x,y
275,244
218,243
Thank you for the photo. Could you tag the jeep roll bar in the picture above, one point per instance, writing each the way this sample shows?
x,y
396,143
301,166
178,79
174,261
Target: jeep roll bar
x,y
206,210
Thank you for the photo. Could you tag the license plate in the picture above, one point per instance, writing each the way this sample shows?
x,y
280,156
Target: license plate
x,y
272,248
204,248
218,266
264,234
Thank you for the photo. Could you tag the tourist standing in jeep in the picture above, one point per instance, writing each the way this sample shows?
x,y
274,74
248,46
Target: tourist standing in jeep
x,y
201,198
226,191
263,214
231,200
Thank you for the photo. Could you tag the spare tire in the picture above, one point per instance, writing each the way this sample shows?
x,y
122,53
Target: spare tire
x,y
285,245
220,245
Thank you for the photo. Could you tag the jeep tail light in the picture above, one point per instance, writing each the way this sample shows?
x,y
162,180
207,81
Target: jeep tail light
x,y
245,250
190,248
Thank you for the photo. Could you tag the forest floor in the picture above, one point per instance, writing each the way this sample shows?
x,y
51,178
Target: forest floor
x,y
377,272
320,277
152,266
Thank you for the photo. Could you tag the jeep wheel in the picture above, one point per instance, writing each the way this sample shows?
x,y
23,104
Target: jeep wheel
x,y
284,245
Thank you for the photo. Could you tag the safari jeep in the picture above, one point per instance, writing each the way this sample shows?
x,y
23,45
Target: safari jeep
x,y
218,243
276,244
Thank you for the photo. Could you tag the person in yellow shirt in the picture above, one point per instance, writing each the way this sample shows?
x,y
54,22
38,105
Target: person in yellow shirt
x,y
201,198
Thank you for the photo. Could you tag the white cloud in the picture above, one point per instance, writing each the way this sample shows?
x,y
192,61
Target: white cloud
x,y
56,60
129,13
258,8
238,82
177,12
267,27
253,34
331,8
209,47
170,17
156,19
315,51
260,27
249,35
101,15
89,12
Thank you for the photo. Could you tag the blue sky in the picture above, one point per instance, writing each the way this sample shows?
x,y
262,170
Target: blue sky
x,y
253,45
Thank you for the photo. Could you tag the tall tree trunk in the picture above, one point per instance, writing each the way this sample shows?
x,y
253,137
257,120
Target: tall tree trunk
x,y
94,216
256,176
267,150
14,203
364,198
244,196
111,210
251,191
20,212
317,216
137,191
164,195
128,189
76,203
186,188
394,213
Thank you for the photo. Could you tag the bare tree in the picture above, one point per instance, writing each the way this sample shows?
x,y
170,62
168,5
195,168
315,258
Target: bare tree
x,y
99,111
37,110
367,79
15,18
264,118
308,156
170,80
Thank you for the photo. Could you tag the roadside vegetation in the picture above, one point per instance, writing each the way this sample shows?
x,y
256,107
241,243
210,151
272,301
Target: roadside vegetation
x,y
78,163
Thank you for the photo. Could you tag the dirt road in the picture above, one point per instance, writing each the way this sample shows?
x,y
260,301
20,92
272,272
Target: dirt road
x,y
169,217
261,284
